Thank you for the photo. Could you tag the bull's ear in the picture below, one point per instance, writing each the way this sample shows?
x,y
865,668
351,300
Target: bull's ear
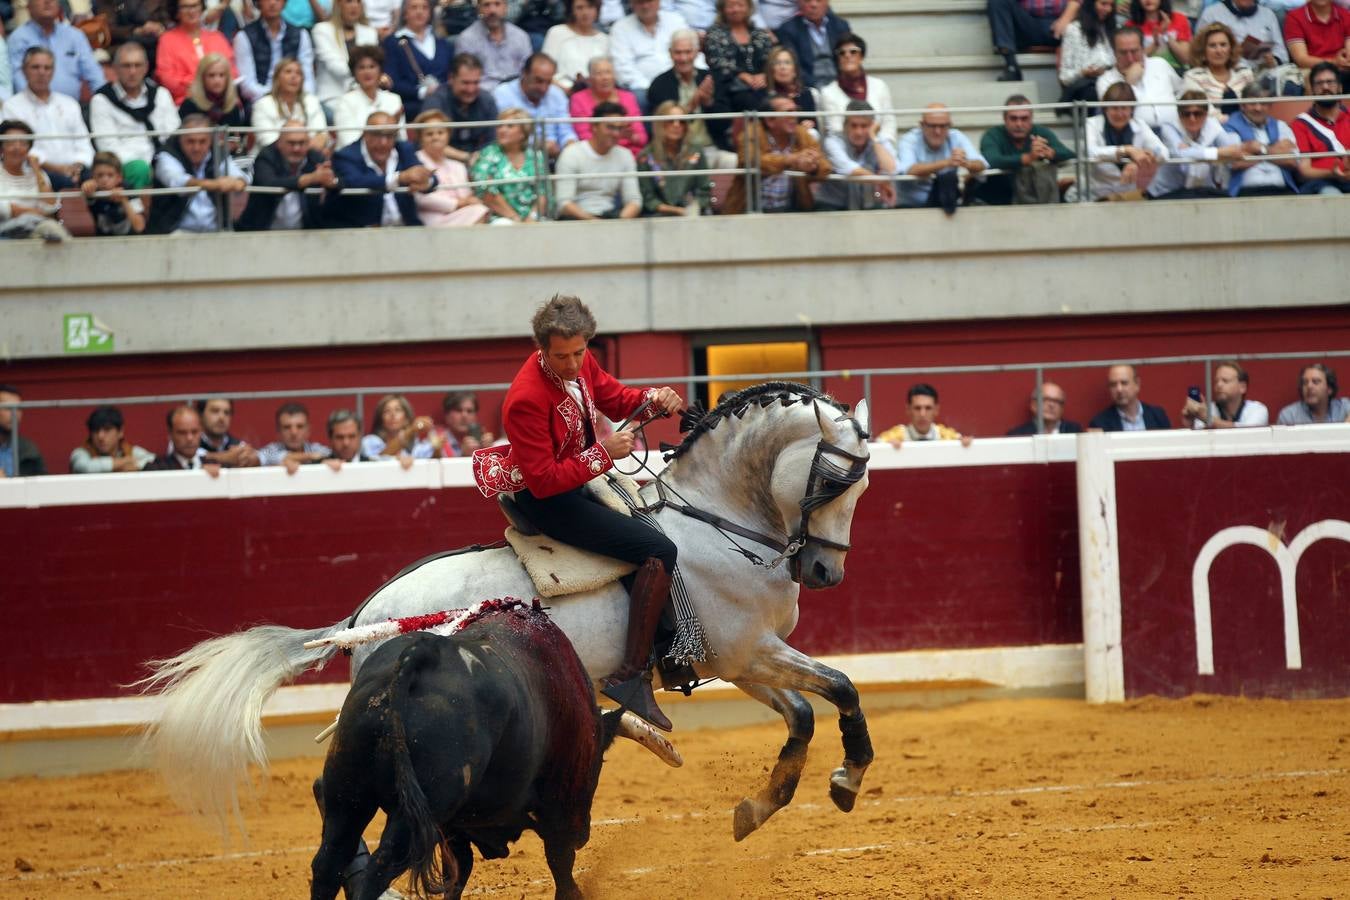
x,y
863,415
825,419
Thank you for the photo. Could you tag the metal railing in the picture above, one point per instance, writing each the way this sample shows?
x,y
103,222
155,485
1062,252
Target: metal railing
x,y
814,377
544,180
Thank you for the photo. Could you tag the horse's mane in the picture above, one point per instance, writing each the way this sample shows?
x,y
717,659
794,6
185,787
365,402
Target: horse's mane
x,y
697,421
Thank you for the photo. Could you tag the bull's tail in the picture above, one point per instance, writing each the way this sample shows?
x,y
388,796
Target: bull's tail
x,y
210,729
432,871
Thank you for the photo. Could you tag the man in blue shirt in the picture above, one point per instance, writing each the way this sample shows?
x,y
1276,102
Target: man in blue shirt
x,y
74,57
189,160
535,92
933,153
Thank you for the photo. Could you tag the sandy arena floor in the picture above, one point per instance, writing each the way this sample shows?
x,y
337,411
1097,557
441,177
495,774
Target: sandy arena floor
x,y
1207,797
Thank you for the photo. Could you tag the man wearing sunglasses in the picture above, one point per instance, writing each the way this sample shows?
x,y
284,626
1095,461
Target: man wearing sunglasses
x,y
1202,142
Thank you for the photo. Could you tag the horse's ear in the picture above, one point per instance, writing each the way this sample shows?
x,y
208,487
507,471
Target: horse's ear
x,y
825,419
862,415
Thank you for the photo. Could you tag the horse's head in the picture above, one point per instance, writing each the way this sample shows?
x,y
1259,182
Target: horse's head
x,y
817,483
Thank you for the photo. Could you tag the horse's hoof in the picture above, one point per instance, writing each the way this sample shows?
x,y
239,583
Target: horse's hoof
x,y
749,816
841,793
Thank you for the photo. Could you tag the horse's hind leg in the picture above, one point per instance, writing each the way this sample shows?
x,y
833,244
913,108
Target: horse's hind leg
x,y
785,667
752,812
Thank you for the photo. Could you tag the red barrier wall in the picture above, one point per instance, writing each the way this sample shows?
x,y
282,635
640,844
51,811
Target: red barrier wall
x,y
1167,509
974,556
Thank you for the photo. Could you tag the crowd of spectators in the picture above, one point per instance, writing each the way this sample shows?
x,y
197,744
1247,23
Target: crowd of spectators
x,y
351,77
199,435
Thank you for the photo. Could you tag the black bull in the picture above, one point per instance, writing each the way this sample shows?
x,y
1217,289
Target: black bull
x,y
463,741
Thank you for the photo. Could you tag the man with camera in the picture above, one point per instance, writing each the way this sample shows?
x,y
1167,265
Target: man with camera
x,y
1230,407
463,433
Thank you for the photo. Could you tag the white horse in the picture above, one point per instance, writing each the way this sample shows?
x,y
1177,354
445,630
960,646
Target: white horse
x,y
779,461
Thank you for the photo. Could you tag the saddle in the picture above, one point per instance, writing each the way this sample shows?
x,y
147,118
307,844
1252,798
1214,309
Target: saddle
x,y
557,568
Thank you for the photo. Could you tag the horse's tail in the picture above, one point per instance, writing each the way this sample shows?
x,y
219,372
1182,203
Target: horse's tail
x,y
210,728
425,837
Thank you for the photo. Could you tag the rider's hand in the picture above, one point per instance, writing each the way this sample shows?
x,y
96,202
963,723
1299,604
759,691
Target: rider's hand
x,y
620,443
667,400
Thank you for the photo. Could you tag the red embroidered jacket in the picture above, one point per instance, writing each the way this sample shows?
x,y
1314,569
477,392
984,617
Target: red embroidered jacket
x,y
549,452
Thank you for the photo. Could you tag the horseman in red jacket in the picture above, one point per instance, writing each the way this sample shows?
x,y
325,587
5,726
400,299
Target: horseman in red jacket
x,y
550,416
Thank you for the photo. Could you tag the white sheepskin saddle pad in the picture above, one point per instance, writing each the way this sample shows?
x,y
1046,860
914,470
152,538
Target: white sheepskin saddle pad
x,y
557,568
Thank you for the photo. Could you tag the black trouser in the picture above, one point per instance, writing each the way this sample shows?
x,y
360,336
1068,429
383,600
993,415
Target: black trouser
x,y
1016,29
575,518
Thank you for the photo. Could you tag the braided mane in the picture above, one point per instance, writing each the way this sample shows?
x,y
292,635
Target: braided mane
x,y
697,421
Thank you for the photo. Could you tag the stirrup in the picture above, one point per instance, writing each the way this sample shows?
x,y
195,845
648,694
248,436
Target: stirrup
x,y
636,696
677,675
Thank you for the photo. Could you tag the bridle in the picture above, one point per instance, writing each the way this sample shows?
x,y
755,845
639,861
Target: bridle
x,y
826,481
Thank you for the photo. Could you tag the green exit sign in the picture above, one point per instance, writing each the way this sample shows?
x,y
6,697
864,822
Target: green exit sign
x,y
85,334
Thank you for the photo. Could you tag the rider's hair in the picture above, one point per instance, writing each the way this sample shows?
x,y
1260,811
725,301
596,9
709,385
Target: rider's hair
x,y
564,316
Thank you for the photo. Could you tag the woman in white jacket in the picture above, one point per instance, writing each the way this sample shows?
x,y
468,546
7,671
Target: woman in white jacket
x,y
287,100
1124,151
855,84
333,42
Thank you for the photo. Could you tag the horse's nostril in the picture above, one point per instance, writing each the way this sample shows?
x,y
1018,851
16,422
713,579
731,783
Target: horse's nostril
x,y
822,574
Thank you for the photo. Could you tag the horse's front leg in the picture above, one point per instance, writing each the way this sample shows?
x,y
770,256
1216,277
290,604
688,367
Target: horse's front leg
x,y
752,812
782,666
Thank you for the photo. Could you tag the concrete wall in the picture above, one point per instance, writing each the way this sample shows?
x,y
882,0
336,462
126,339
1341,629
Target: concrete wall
x,y
252,291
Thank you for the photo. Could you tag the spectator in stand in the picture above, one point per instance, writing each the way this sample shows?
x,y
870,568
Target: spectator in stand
x,y
575,42
608,190
1052,401
737,52
212,94
1022,24
1230,408
1324,128
782,144
502,47
1029,155
773,13
185,448
417,61
601,89
1256,29
219,445
1316,33
922,402
1150,79
107,449
185,48
194,160
65,160
1317,402
699,14
1125,152
398,433
130,106
855,84
462,434
290,163
811,35
344,439
639,44
28,459
686,84
858,153
288,101
293,448
1204,142
1220,73
782,76
1086,52
382,15
1127,412
116,215
27,214
463,100
682,189
365,99
511,156
536,94
452,204
334,40
139,22
535,18
934,153
1167,34
381,163
72,57
1253,122
263,43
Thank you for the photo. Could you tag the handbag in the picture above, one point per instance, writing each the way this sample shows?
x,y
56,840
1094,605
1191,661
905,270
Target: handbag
x,y
98,31
456,16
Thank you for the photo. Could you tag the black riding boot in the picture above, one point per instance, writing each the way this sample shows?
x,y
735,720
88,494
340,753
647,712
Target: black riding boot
x,y
631,684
